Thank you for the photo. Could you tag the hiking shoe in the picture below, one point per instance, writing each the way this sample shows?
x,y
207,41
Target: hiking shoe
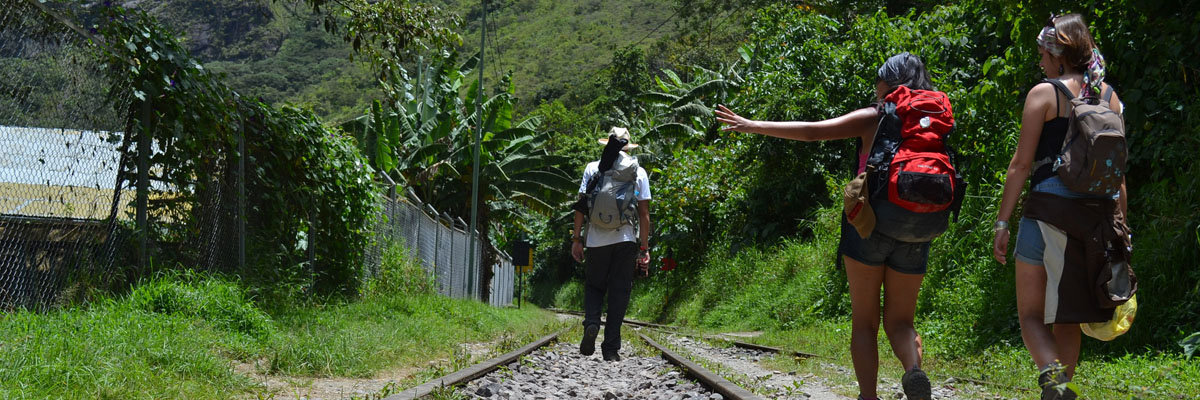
x,y
612,357
916,385
1053,381
587,347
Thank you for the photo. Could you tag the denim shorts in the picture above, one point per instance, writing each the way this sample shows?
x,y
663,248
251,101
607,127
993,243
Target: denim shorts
x,y
902,257
1030,244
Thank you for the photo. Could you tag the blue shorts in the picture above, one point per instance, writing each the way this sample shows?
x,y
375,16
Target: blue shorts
x,y
1030,244
902,257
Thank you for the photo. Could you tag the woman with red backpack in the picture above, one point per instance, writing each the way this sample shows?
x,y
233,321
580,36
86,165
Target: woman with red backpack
x,y
904,132
1050,306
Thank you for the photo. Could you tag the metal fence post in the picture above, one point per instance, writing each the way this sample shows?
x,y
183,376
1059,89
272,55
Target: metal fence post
x,y
437,245
143,185
447,270
241,213
467,267
453,265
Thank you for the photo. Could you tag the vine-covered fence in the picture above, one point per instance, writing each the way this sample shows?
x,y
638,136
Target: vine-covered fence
x,y
102,182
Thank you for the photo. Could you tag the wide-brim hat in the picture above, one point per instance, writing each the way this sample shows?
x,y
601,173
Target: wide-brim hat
x,y
620,133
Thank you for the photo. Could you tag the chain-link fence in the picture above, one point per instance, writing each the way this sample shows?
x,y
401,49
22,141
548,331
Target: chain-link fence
x,y
441,244
59,160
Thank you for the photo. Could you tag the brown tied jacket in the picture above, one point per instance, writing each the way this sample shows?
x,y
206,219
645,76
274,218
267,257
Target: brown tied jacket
x,y
1097,245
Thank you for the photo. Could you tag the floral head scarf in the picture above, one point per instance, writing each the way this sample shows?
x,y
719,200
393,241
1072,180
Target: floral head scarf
x,y
1093,76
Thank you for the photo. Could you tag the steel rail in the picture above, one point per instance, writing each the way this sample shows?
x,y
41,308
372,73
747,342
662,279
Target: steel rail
x,y
709,378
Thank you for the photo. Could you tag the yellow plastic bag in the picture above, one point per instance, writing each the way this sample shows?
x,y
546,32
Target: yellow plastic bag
x,y
1121,322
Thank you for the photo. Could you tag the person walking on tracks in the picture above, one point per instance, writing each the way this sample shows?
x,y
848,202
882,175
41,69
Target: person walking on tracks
x,y
615,203
902,197
1072,149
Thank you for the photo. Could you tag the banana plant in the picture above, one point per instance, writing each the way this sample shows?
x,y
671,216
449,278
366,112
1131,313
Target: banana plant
x,y
411,137
681,111
516,171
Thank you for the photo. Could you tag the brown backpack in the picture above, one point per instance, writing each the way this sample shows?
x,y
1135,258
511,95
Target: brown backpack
x,y
1093,155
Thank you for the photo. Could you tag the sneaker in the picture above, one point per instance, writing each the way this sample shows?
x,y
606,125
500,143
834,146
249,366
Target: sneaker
x,y
1053,381
916,385
588,346
612,357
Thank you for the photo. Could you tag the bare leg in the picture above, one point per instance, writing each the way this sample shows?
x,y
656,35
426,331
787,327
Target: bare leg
x,y
899,308
1066,339
1031,300
865,282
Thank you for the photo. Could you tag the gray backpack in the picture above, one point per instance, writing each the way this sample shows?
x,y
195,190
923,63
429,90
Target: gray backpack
x,y
1094,151
613,202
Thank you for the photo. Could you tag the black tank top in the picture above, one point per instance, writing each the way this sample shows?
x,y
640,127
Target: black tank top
x,y
1050,143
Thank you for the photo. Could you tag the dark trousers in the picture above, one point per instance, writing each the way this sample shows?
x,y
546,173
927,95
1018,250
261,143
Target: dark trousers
x,y
609,271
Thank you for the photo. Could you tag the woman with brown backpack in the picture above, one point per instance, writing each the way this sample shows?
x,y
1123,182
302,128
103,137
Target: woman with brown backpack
x,y
1053,294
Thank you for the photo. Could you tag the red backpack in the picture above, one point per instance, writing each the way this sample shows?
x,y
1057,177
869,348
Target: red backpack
x,y
913,184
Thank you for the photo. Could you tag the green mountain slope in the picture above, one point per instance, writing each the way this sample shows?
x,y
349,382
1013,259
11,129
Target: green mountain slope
x,y
555,47
277,50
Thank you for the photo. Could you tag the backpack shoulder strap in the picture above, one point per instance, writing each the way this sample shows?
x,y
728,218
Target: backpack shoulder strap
x,y
1108,93
593,181
1062,88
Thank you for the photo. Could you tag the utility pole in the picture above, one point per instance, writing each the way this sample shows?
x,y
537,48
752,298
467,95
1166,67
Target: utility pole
x,y
475,165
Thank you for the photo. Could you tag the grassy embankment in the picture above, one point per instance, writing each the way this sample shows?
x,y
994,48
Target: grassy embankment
x,y
182,336
783,291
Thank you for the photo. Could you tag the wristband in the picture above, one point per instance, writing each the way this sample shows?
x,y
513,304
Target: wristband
x,y
999,226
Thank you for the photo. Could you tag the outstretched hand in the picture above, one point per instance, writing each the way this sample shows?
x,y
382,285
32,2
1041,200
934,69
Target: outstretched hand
x,y
735,122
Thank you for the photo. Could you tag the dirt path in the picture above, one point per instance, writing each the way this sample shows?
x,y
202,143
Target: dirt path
x,y
309,388
312,388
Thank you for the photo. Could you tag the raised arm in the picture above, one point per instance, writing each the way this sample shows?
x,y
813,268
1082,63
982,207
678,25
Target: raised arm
x,y
857,123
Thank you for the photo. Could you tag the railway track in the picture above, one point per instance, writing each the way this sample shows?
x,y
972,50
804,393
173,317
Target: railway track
x,y
550,368
667,363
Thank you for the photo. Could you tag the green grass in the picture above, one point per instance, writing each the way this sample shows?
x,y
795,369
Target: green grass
x,y
1007,367
180,336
